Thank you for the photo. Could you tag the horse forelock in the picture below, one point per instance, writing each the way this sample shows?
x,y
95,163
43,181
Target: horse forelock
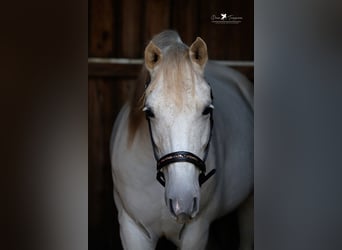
x,y
174,75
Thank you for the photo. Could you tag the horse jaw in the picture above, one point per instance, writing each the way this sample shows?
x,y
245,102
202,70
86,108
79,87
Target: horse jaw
x,y
182,191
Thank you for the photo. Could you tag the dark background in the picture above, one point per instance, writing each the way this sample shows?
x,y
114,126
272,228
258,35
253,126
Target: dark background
x,y
122,29
44,125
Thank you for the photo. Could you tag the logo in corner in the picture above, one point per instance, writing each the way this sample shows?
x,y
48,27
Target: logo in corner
x,y
224,18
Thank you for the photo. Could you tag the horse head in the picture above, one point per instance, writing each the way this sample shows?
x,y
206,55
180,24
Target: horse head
x,y
178,107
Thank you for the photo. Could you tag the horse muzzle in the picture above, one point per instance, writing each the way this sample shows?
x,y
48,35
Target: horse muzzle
x,y
183,211
182,191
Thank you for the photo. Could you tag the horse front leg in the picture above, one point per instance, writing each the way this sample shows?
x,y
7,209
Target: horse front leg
x,y
195,235
134,235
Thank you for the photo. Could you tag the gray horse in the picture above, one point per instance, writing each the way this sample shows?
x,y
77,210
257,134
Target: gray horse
x,y
199,119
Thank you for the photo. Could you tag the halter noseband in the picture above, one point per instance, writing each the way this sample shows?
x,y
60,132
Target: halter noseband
x,y
181,156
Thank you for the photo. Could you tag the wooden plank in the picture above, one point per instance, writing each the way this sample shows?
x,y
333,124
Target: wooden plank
x,y
97,164
131,44
185,19
105,100
94,137
131,26
101,28
157,18
247,37
114,70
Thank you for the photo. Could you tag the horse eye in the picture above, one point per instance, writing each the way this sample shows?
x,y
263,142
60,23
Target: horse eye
x,y
208,109
148,112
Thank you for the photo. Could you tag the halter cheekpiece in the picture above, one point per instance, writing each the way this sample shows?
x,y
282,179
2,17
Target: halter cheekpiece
x,y
181,156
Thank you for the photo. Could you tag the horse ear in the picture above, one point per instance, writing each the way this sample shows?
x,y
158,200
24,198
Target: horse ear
x,y
198,52
153,56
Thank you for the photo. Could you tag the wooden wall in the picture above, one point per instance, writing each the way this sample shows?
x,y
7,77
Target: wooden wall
x,y
121,29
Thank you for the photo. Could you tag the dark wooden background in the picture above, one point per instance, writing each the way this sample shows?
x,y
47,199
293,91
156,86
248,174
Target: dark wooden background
x,y
121,29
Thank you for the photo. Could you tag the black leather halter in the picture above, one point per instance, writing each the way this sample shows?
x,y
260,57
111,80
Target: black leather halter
x,y
182,156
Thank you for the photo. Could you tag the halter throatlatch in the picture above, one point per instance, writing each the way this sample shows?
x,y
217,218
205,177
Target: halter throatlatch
x,y
182,156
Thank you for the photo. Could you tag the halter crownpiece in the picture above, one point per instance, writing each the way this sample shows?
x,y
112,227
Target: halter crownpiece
x,y
181,156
